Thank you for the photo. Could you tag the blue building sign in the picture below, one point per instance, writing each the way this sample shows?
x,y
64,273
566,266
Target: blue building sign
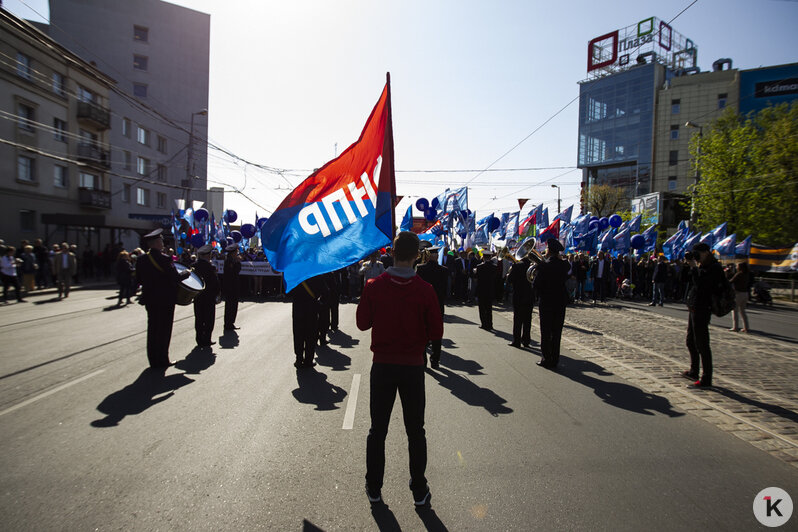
x,y
764,87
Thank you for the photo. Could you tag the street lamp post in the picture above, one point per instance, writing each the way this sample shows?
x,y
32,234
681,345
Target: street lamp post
x,y
190,150
700,128
558,197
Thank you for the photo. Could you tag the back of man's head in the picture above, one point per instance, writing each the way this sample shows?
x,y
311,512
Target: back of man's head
x,y
405,246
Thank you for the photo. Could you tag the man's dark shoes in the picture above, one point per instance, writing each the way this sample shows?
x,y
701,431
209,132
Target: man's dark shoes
x,y
308,364
298,364
687,374
421,497
231,328
434,364
375,497
515,344
700,384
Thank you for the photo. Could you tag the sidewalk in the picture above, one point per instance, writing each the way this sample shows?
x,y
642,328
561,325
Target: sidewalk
x,y
755,396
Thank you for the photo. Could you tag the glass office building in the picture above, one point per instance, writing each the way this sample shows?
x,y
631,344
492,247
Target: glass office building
x,y
616,128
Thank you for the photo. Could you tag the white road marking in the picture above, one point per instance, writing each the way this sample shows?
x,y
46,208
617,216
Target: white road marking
x,y
351,403
49,392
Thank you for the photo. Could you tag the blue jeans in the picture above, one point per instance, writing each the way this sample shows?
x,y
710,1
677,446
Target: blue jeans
x,y
658,294
386,380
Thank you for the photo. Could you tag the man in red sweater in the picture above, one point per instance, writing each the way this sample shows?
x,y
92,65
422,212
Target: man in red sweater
x,y
403,314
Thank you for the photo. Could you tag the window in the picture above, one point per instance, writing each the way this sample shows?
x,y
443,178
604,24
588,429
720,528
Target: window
x,y
161,200
674,132
25,169
161,172
126,127
161,144
142,166
128,159
673,158
27,220
139,90
126,193
59,129
60,179
143,197
88,181
143,135
722,100
85,95
59,85
140,62
672,182
675,106
140,33
26,116
23,66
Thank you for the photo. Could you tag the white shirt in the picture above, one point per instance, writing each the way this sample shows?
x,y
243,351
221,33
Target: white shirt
x,y
65,260
9,265
600,269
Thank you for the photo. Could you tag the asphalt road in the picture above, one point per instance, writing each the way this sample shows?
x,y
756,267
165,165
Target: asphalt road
x,y
236,439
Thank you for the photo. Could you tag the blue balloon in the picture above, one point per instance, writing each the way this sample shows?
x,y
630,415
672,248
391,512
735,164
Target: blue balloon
x,y
604,223
435,203
430,213
229,241
248,230
593,225
197,240
594,218
494,224
179,250
616,220
231,216
638,242
201,214
261,222
182,236
422,204
237,236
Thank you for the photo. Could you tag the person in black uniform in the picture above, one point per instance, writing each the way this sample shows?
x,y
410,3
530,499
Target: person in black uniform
x,y
232,271
205,301
305,316
438,277
549,285
326,307
486,274
159,280
522,303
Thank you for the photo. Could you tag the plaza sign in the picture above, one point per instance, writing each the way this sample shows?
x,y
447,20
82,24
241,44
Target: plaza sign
x,y
650,40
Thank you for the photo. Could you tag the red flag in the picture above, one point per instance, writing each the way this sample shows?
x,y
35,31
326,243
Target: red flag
x,y
522,202
552,231
524,225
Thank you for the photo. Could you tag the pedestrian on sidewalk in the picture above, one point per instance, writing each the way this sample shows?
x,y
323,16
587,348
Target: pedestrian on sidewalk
x,y
124,277
64,267
740,282
28,269
8,270
706,275
549,285
658,279
403,314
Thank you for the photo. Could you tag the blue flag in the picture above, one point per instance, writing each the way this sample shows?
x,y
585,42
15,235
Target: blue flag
x,y
634,224
670,248
650,235
623,241
719,233
708,239
606,239
543,219
743,249
690,242
726,246
511,230
565,215
587,242
407,221
581,224
453,200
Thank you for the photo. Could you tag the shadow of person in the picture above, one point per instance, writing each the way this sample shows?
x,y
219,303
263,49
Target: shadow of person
x,y
228,340
45,301
584,331
135,398
430,519
470,393
113,307
384,517
314,389
454,362
617,394
307,526
451,318
343,340
331,358
448,344
776,410
198,360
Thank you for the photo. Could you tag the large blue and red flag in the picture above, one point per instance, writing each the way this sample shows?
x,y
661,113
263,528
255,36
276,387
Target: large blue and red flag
x,y
343,211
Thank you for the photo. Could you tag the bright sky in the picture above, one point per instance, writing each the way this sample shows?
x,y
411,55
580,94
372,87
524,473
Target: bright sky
x,y
470,80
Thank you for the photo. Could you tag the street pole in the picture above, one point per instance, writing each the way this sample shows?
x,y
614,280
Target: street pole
x,y
693,214
190,151
558,197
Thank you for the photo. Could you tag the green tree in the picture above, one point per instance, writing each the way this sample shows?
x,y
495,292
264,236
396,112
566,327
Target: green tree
x,y
604,200
747,175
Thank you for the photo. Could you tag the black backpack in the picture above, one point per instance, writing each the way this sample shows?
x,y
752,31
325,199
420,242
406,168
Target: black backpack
x,y
723,297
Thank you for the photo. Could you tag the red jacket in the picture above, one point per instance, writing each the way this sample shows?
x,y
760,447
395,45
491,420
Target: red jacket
x,y
403,314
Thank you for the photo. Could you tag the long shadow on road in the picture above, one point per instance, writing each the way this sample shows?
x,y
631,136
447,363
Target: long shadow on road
x,y
470,393
617,394
146,391
314,389
765,407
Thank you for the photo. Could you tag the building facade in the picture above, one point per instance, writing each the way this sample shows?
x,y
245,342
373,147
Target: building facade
x,y
159,55
54,142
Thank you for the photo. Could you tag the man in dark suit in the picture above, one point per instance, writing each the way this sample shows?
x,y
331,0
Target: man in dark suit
x,y
438,277
601,273
523,303
549,285
486,274
159,280
305,317
232,272
205,301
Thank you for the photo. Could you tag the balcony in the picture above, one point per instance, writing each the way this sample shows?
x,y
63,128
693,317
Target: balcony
x,y
96,199
94,155
94,114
